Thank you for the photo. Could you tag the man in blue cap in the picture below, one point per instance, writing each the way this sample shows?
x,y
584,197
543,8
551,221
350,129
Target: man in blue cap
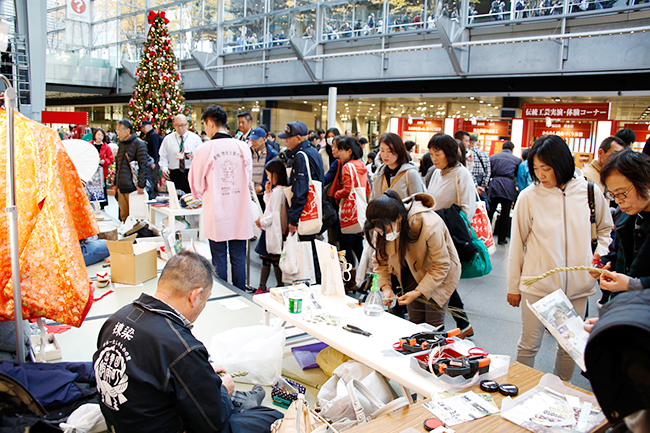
x,y
262,153
295,138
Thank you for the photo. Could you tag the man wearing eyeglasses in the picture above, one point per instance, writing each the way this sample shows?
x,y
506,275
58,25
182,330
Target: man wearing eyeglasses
x,y
607,148
176,153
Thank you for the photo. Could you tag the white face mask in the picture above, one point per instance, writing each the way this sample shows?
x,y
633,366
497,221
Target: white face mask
x,y
392,236
330,140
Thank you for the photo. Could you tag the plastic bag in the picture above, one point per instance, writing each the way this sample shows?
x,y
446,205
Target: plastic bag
x,y
87,418
305,265
335,402
289,257
255,349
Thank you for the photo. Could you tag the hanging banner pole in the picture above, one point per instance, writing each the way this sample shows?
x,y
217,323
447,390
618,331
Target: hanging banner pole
x,y
12,215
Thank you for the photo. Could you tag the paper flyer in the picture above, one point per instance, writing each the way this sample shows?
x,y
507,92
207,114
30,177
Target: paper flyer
x,y
564,323
460,408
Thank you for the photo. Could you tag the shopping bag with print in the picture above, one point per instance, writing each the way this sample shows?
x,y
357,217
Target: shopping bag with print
x,y
482,227
311,217
352,214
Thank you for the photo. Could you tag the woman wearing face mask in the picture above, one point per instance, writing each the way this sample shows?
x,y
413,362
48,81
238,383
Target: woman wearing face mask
x,y
629,255
326,150
551,229
397,171
412,243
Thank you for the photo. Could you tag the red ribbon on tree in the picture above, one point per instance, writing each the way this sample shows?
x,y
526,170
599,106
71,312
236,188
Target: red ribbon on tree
x,y
152,16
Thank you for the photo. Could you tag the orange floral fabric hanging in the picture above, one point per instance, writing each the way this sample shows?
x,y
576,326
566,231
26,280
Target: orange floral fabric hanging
x,y
53,215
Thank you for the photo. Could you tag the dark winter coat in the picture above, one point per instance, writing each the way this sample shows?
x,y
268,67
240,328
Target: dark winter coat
x,y
617,355
136,149
503,180
629,251
299,180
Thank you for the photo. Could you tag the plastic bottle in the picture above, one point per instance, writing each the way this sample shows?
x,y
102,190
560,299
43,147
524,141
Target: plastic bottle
x,y
374,305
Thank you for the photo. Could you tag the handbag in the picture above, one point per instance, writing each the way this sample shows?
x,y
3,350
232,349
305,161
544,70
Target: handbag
x,y
482,227
353,209
480,264
311,218
341,404
300,418
382,408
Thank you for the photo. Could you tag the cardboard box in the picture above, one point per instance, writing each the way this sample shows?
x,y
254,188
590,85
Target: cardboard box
x,y
132,263
52,349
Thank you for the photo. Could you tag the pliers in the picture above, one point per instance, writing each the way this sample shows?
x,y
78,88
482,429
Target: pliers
x,y
356,330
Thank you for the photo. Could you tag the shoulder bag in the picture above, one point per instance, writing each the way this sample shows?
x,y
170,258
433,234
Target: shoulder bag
x,y
592,216
311,218
480,265
353,208
300,418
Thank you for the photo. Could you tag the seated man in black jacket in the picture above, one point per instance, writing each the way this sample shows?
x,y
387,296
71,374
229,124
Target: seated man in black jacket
x,y
154,375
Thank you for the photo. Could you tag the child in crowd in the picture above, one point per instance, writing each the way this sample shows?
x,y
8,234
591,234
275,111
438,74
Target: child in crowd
x,y
273,223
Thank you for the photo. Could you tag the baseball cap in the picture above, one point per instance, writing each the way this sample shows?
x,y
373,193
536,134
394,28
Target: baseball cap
x,y
257,133
293,129
145,122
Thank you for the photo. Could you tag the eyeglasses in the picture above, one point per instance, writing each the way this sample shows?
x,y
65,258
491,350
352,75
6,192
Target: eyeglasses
x,y
181,124
619,196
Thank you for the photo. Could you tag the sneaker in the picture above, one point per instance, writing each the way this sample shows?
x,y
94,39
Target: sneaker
x,y
260,291
466,332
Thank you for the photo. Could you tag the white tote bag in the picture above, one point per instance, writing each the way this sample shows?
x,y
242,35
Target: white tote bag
x,y
352,214
311,218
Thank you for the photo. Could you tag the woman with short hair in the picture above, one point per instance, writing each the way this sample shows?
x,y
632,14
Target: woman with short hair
x,y
551,229
626,175
452,183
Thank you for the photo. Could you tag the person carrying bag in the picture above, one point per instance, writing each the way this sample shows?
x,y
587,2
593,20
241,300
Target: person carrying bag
x,y
311,218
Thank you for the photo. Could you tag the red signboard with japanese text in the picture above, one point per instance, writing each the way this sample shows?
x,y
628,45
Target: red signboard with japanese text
x,y
488,127
595,111
432,126
420,131
642,131
565,130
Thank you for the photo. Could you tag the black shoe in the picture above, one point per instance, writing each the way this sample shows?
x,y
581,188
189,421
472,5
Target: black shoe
x,y
502,242
248,399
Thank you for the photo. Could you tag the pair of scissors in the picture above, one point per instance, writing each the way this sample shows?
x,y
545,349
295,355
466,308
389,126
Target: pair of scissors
x,y
356,330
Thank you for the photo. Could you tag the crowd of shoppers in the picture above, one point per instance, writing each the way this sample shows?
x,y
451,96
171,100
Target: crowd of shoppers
x,y
410,245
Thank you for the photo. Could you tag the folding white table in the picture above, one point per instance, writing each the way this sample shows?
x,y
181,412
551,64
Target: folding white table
x,y
375,351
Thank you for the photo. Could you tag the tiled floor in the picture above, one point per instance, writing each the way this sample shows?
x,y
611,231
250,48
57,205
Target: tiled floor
x,y
497,325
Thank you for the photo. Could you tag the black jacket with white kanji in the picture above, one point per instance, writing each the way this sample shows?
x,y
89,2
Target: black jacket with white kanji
x,y
154,375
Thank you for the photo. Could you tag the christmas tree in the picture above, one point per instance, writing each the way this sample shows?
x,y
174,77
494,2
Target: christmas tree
x,y
158,95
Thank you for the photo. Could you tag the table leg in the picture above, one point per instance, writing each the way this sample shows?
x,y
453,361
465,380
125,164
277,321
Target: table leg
x,y
266,318
407,393
171,223
201,225
152,215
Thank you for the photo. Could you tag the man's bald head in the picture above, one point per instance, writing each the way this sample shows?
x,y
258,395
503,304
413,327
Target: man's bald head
x,y
180,124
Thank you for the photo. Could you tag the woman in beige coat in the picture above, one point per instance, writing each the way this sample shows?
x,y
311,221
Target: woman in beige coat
x,y
412,242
